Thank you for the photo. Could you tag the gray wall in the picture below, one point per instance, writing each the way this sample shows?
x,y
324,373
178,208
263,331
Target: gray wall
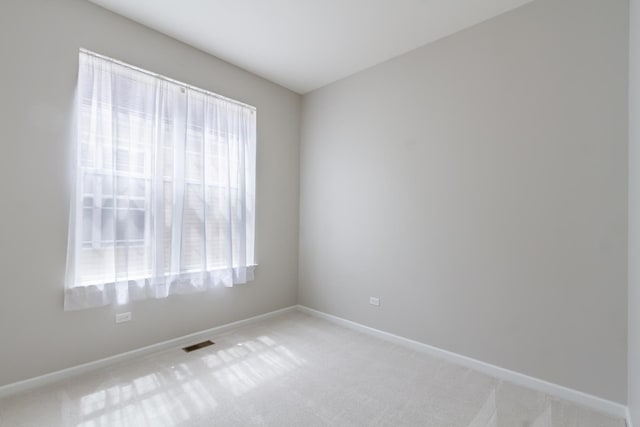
x,y
478,186
39,41
634,213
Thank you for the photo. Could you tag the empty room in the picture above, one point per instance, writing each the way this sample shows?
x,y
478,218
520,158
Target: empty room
x,y
320,213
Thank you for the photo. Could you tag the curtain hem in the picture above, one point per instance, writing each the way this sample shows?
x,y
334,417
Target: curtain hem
x,y
126,291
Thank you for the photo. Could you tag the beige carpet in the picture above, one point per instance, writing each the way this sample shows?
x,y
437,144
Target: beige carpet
x,y
292,370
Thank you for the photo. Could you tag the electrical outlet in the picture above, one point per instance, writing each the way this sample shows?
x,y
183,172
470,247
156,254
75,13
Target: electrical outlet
x,y
123,317
374,301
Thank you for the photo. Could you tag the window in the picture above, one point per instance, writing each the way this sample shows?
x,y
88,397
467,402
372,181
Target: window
x,y
164,191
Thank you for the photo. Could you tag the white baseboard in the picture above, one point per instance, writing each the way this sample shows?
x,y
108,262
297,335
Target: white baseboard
x,y
593,402
22,386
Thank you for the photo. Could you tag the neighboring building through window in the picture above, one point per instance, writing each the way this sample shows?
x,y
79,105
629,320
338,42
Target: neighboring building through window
x,y
164,192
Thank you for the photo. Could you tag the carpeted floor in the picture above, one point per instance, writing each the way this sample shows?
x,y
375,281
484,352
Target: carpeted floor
x,y
292,370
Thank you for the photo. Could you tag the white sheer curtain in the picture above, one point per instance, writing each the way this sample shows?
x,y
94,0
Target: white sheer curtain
x,y
164,191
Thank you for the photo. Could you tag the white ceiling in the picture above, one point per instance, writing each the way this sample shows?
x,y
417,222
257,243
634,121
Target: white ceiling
x,y
306,44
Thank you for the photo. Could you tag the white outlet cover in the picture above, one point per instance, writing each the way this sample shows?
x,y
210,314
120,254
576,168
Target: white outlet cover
x,y
374,301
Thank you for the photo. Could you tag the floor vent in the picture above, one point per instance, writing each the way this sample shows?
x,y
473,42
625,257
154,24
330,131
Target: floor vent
x,y
198,346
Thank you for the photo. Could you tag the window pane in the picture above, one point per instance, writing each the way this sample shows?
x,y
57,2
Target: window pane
x,y
107,225
87,216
